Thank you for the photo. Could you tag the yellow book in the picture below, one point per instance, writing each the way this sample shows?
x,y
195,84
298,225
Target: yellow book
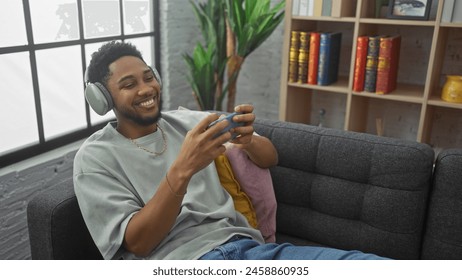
x,y
317,9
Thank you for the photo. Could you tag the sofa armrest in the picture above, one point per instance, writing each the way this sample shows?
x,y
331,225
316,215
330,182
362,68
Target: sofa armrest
x,y
443,235
56,227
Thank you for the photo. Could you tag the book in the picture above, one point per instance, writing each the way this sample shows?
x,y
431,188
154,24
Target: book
x,y
360,63
317,8
387,67
303,8
370,76
326,8
303,53
293,56
310,7
329,56
448,7
313,58
295,7
343,8
457,11
381,8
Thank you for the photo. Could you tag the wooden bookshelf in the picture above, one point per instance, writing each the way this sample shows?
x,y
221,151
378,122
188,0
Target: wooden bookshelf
x,y
414,111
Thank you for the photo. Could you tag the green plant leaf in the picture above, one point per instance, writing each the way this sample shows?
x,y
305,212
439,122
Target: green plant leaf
x,y
254,25
254,9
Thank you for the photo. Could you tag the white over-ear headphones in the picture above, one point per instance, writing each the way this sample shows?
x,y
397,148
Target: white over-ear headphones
x,y
99,98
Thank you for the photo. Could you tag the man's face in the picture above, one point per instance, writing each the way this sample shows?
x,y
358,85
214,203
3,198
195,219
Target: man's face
x,y
135,91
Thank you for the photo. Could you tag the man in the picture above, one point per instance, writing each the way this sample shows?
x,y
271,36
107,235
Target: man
x,y
146,184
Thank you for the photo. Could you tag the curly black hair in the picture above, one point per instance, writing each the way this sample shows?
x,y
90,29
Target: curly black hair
x,y
98,70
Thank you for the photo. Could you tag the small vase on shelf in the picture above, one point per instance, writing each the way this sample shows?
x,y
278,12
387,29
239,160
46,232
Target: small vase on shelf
x,y
452,89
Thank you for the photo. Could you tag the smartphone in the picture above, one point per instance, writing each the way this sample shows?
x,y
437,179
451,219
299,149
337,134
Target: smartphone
x,y
232,124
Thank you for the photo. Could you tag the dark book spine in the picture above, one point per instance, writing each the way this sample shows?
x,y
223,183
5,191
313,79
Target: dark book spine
x,y
329,55
323,57
371,64
332,73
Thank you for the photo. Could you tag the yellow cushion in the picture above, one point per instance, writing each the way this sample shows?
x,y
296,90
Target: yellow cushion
x,y
242,202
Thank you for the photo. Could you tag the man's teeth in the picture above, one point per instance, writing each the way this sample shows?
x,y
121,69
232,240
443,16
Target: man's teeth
x,y
147,103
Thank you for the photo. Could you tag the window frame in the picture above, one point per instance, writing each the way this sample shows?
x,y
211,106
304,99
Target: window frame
x,y
43,145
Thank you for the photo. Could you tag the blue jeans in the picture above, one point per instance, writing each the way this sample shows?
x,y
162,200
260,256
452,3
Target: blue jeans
x,y
242,248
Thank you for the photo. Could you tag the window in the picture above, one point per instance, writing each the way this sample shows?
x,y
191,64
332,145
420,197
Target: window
x,y
45,47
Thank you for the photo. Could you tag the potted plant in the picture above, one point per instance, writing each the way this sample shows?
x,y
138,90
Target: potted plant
x,y
232,30
207,64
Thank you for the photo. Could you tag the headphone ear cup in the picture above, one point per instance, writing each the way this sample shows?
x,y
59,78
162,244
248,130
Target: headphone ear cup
x,y
99,98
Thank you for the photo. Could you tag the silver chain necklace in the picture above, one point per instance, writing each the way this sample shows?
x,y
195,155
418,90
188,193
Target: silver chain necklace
x,y
164,148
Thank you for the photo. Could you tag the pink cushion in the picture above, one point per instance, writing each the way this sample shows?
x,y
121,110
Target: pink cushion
x,y
258,185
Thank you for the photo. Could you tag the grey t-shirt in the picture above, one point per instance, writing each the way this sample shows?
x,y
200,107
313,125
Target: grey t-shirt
x,y
113,179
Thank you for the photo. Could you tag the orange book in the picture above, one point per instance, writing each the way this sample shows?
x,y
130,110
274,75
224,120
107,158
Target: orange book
x,y
313,58
387,68
360,63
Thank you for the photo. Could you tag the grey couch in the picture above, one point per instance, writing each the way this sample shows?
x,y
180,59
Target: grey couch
x,y
334,188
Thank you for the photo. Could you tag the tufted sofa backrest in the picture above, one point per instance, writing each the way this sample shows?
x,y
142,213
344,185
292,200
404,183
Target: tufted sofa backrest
x,y
349,190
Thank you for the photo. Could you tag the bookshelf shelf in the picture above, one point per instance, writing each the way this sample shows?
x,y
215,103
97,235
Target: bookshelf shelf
x,y
453,25
396,22
404,93
430,50
341,86
437,101
343,19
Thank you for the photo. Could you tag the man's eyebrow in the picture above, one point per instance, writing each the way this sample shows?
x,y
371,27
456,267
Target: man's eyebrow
x,y
132,76
121,80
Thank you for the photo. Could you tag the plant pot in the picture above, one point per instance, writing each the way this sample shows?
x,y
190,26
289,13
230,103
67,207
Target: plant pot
x,y
452,89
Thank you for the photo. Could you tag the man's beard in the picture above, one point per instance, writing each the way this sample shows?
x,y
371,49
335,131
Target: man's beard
x,y
143,121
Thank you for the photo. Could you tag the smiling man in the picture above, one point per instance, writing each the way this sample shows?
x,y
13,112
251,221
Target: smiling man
x,y
147,185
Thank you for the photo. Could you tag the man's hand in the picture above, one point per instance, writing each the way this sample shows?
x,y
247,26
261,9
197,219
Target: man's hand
x,y
245,132
200,147
259,149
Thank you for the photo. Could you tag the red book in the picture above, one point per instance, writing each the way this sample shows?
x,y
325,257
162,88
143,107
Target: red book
x,y
360,63
313,58
387,68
